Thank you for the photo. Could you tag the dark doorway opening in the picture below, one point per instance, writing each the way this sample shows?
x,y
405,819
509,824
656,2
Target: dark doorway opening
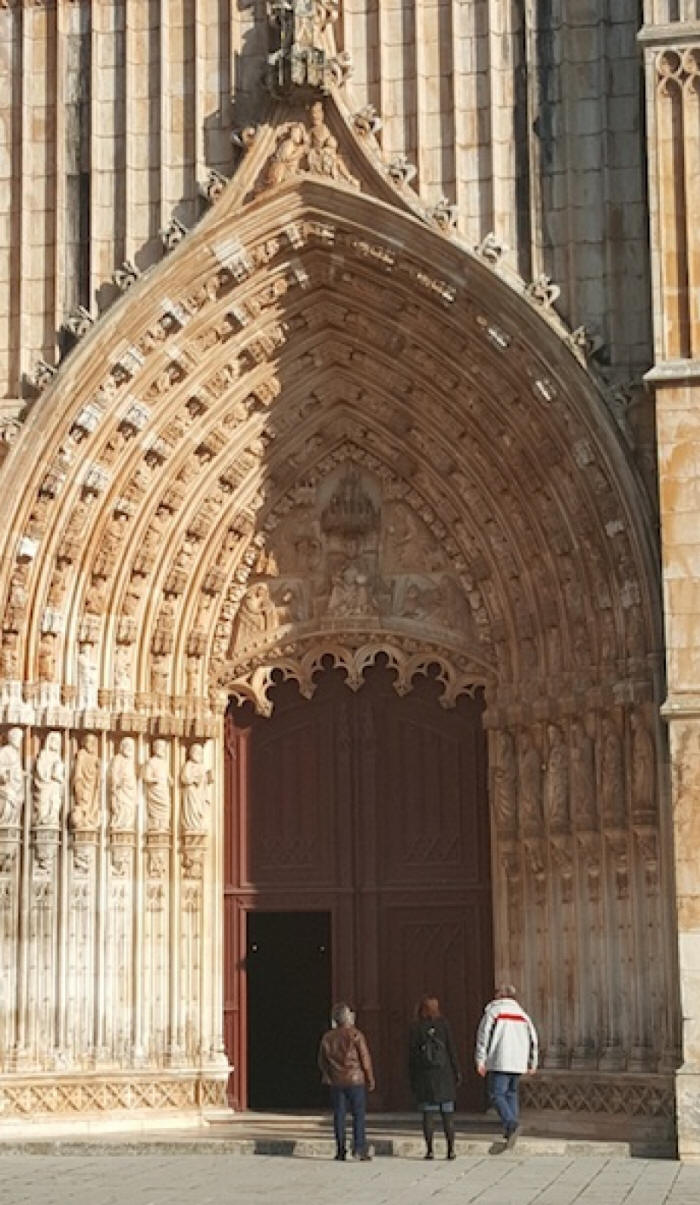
x,y
288,966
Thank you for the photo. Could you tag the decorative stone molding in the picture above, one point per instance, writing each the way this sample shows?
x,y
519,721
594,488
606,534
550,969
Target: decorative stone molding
x,y
109,1093
628,1096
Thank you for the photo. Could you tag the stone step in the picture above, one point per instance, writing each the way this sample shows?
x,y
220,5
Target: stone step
x,y
304,1138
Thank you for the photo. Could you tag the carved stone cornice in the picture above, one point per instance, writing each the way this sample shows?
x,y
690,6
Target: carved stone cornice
x,y
679,33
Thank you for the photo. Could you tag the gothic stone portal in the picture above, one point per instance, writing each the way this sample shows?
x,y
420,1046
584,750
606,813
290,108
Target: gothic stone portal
x,y
371,807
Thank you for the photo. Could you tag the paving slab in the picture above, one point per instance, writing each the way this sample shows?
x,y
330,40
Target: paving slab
x,y
122,1177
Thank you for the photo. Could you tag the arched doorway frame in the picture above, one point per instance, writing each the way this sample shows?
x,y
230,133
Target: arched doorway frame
x,y
123,437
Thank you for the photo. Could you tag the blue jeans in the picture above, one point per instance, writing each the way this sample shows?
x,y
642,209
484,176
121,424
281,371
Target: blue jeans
x,y
503,1095
352,1097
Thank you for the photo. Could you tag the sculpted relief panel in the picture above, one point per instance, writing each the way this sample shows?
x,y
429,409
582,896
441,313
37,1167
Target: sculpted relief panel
x,y
350,557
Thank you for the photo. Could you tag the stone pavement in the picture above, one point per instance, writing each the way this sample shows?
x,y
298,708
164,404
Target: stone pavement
x,y
210,1179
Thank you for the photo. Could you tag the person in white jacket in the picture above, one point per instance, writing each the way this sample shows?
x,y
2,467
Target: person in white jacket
x,y
506,1048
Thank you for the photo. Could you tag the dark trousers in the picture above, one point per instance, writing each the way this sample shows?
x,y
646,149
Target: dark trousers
x,y
343,1099
503,1094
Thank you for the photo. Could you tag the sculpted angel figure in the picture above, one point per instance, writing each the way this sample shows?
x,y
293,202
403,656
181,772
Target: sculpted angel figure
x,y
86,784
122,786
194,780
157,782
12,776
49,776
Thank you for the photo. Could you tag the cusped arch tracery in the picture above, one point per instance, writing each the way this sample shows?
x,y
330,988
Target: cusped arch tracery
x,y
248,370
303,661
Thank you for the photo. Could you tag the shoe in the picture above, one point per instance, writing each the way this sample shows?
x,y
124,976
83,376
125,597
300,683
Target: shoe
x,y
340,1156
428,1155
365,1155
451,1154
512,1138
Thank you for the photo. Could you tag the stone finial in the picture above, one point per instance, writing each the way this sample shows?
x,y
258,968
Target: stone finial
x,y
125,275
491,248
543,291
172,234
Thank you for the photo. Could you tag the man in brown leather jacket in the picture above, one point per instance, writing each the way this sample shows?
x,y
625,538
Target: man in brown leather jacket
x,y
346,1066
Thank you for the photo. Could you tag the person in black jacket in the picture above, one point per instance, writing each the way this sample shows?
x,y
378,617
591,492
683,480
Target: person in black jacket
x,y
433,1069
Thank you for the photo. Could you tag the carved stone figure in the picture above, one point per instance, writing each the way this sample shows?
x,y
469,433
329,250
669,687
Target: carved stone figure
x,y
157,782
256,617
122,667
49,776
351,593
12,776
85,812
46,658
122,786
323,157
530,780
612,776
505,778
9,661
87,677
643,770
194,780
582,762
556,787
287,157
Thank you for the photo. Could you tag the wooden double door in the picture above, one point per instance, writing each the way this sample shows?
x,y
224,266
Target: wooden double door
x,y
369,811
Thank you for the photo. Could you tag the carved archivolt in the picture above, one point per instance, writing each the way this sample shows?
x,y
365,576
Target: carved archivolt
x,y
261,374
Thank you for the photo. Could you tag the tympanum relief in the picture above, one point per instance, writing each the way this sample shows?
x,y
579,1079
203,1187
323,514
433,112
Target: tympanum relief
x,y
349,558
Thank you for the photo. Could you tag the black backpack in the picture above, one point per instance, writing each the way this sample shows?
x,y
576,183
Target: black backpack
x,y
433,1051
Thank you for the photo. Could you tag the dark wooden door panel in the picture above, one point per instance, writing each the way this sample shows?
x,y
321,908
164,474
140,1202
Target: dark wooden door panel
x,y
434,949
371,808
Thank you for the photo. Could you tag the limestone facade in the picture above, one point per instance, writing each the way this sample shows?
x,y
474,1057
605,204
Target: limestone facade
x,y
319,397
